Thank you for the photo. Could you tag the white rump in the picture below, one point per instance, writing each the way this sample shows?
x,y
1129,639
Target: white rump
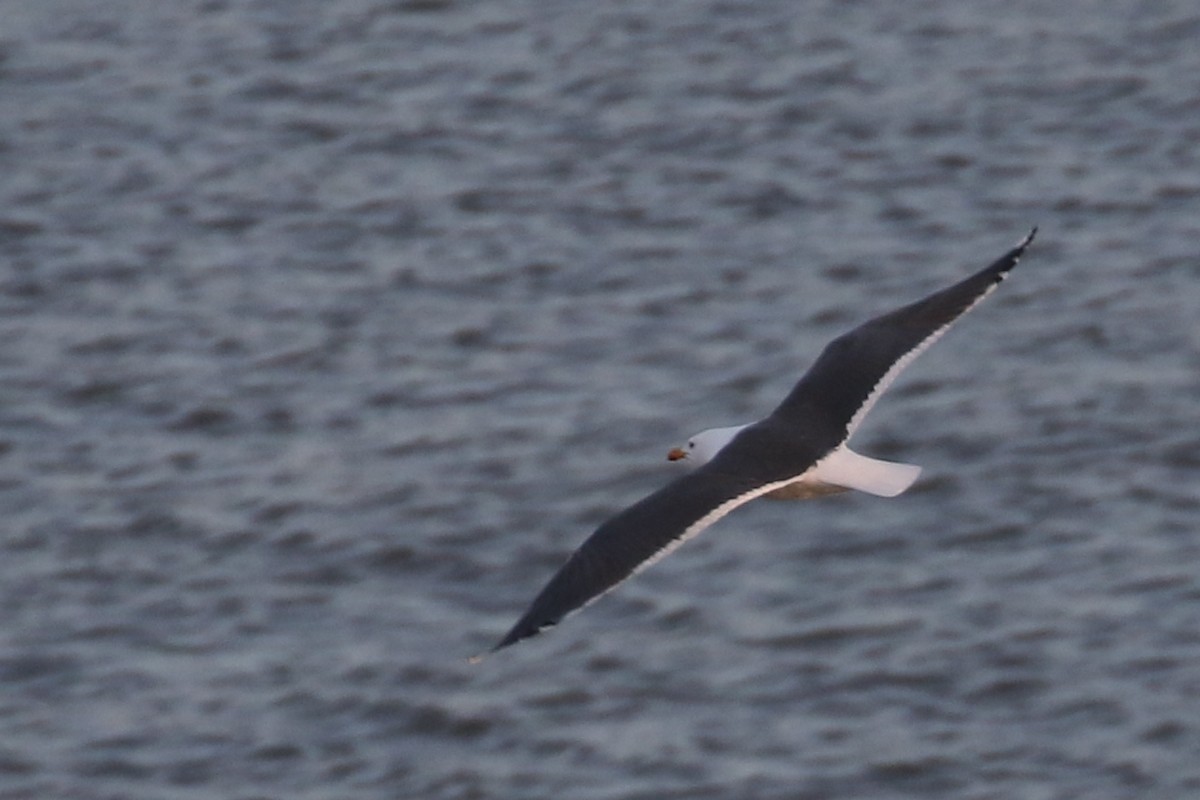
x,y
850,470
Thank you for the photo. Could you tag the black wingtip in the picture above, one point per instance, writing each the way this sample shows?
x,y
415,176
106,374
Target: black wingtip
x,y
524,629
507,641
1009,260
1025,242
512,637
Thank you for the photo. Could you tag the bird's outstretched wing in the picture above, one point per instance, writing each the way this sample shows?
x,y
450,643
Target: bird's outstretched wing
x,y
854,369
634,539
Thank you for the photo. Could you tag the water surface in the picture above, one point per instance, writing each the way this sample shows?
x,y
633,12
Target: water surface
x,y
329,329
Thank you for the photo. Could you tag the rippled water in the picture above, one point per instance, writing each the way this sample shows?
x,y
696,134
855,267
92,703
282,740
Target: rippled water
x,y
329,329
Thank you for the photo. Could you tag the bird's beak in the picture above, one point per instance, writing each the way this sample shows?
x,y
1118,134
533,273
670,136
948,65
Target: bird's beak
x,y
675,454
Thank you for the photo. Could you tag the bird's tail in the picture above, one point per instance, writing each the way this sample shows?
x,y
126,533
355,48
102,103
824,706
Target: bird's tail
x,y
846,468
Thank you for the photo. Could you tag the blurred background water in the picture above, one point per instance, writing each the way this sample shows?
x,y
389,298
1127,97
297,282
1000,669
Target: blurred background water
x,y
330,328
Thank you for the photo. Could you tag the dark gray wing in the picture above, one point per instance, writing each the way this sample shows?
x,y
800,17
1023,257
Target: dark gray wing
x,y
854,369
634,539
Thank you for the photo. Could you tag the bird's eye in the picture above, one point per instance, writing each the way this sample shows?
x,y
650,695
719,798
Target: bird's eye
x,y
691,445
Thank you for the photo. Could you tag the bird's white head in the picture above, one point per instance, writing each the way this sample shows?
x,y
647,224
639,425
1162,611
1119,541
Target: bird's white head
x,y
701,448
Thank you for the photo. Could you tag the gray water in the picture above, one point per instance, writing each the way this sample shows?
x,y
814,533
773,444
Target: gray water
x,y
330,328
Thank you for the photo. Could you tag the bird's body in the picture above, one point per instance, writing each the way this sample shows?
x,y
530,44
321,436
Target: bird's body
x,y
798,451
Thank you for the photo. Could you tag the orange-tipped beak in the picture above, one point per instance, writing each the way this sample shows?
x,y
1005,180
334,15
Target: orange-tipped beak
x,y
675,454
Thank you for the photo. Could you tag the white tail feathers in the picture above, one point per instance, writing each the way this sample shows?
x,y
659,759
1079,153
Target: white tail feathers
x,y
846,468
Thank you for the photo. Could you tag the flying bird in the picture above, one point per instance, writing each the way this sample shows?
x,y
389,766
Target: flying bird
x,y
799,450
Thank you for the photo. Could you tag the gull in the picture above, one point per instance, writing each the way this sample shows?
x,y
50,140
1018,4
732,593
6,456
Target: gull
x,y
799,450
